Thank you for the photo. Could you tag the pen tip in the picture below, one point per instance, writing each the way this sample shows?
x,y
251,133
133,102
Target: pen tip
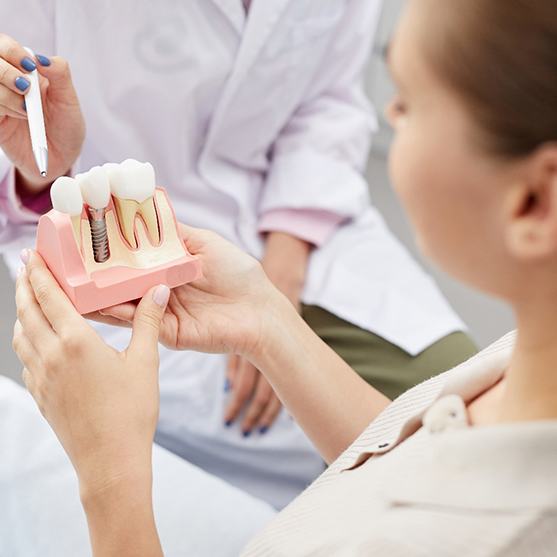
x,y
43,173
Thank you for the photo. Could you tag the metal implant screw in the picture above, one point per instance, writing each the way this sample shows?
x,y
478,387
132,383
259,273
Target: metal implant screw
x,y
99,234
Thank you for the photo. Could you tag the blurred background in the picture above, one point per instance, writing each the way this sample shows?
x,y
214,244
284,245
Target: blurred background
x,y
487,319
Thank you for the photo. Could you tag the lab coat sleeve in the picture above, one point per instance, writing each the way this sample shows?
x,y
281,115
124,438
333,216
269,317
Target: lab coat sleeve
x,y
318,161
313,226
31,23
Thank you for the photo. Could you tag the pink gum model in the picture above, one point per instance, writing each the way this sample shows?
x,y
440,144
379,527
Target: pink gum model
x,y
115,283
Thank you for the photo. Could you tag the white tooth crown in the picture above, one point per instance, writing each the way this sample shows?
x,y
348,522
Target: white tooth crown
x,y
66,196
95,187
110,168
132,180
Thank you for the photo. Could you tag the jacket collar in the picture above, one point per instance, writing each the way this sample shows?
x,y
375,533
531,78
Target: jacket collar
x,y
456,468
404,416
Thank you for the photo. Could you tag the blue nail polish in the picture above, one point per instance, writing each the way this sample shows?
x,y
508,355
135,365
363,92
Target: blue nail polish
x,y
22,84
43,60
246,433
228,423
226,386
264,429
28,64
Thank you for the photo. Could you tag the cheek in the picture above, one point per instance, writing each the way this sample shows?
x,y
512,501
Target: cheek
x,y
429,183
412,166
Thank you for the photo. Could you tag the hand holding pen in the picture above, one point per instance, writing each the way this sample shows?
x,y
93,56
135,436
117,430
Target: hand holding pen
x,y
20,73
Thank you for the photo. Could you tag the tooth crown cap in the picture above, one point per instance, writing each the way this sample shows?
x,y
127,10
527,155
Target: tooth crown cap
x,y
66,197
95,187
132,180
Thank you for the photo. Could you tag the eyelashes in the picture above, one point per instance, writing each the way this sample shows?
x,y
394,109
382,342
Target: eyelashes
x,y
396,110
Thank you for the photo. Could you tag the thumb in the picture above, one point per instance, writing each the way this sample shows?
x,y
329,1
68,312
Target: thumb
x,y
59,77
147,321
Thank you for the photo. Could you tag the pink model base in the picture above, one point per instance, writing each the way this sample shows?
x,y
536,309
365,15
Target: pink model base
x,y
57,246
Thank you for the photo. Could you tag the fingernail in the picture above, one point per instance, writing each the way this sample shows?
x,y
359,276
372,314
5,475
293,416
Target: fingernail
x,y
22,84
264,429
246,433
43,60
161,295
28,64
226,385
228,423
24,256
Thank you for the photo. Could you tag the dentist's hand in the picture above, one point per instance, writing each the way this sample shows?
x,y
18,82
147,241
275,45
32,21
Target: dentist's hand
x,y
228,310
102,404
65,127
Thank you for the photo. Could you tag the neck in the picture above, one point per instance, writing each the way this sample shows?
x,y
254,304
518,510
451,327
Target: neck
x,y
530,390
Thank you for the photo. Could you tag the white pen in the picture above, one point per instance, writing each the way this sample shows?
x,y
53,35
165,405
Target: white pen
x,y
35,119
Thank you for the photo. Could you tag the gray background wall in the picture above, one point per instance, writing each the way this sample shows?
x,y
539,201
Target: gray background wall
x,y
487,318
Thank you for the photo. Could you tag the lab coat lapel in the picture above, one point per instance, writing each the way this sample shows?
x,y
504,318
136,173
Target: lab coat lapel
x,y
263,16
233,10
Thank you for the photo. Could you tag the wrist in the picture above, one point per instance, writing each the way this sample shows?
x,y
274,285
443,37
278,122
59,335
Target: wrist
x,y
32,185
281,322
112,465
285,262
99,489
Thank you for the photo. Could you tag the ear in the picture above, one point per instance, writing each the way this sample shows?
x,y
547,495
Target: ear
x,y
531,228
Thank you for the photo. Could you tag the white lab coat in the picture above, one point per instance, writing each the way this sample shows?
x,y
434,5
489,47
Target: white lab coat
x,y
240,118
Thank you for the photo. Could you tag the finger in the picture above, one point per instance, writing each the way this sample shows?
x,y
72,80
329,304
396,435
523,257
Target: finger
x,y
258,404
15,62
7,113
30,316
57,71
242,390
270,414
24,348
11,103
231,370
195,238
98,317
123,312
147,322
54,303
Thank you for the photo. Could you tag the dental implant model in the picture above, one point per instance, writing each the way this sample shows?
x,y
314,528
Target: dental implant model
x,y
112,235
95,189
66,197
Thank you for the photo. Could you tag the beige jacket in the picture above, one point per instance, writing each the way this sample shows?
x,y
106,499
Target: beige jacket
x,y
444,489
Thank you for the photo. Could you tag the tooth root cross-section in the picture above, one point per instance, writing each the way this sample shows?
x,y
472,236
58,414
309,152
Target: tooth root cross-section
x,y
128,210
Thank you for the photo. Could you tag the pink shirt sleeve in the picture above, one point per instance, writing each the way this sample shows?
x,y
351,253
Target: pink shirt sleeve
x,y
21,209
313,226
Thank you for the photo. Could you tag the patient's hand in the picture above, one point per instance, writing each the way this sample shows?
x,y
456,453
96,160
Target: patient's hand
x,y
225,311
102,404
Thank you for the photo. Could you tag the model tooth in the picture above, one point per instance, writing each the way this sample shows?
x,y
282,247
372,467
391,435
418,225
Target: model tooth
x,y
148,213
133,187
66,196
126,210
95,187
132,180
110,168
